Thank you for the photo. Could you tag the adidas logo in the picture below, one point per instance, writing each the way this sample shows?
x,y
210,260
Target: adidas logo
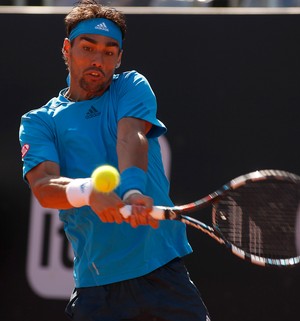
x,y
92,112
102,26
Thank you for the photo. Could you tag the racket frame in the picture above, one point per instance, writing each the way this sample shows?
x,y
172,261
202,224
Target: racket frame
x,y
177,213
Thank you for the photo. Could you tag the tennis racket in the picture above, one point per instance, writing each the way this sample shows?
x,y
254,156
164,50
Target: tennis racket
x,y
254,216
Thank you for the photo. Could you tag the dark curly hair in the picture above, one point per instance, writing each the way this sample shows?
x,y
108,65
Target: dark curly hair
x,y
90,9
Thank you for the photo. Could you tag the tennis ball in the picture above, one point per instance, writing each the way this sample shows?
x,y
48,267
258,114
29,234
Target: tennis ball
x,y
105,178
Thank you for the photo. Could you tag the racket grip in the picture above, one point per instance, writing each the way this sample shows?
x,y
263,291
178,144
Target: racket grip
x,y
157,212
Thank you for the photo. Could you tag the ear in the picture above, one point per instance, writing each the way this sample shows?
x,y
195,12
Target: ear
x,y
66,48
119,60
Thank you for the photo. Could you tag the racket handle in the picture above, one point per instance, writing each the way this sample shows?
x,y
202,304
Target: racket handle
x,y
157,212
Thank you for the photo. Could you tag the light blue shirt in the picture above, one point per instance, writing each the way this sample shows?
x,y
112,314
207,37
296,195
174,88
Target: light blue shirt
x,y
81,136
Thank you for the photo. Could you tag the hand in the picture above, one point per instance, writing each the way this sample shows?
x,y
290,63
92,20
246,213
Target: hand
x,y
106,206
140,213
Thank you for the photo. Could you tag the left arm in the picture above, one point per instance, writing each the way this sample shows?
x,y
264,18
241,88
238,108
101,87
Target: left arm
x,y
132,150
132,143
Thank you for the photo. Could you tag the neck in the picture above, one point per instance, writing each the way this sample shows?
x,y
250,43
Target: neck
x,y
68,96
78,97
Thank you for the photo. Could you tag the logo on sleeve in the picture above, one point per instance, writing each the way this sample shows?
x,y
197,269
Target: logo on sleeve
x,y
24,150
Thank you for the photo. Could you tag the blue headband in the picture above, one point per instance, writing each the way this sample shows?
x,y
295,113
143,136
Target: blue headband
x,y
98,26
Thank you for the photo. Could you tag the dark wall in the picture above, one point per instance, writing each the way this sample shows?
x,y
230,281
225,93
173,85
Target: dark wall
x,y
228,90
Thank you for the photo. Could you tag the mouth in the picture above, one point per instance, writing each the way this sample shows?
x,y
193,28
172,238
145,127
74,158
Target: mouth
x,y
95,73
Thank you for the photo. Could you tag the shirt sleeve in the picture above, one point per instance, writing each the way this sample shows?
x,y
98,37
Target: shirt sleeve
x,y
37,140
136,99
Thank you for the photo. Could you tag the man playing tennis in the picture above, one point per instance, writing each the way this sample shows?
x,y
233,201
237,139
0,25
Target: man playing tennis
x,y
124,269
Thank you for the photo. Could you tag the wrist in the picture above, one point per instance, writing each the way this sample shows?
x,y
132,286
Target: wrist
x,y
133,178
130,192
78,191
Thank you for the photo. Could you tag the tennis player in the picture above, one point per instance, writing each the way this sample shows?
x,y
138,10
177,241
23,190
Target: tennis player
x,y
123,269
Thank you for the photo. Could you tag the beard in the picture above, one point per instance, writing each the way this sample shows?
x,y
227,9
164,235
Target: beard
x,y
95,85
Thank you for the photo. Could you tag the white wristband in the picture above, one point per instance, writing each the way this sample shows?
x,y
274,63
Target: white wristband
x,y
131,192
78,191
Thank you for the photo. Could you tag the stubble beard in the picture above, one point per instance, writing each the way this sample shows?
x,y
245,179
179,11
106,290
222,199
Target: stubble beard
x,y
94,88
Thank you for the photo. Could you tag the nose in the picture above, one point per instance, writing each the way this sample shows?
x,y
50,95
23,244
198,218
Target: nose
x,y
97,60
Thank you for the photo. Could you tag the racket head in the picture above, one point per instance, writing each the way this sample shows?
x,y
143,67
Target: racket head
x,y
257,217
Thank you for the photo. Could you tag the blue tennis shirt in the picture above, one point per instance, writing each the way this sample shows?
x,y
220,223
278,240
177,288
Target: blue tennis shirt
x,y
81,136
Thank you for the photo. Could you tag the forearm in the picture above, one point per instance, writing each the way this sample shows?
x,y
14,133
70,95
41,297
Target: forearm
x,y
51,192
132,150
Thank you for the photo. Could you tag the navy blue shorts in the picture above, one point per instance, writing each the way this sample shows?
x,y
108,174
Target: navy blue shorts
x,y
166,294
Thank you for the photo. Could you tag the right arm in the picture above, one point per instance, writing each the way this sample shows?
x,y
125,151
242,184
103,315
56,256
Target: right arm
x,y
48,186
50,190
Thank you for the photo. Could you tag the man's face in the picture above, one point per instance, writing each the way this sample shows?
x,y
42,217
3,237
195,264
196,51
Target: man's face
x,y
92,60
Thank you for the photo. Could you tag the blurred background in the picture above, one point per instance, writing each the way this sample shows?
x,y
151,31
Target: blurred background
x,y
164,3
227,85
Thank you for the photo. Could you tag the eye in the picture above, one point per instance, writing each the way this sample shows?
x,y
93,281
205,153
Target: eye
x,y
87,48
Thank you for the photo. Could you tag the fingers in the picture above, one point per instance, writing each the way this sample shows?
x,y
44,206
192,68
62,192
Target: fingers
x,y
107,206
140,215
140,200
141,206
154,223
111,215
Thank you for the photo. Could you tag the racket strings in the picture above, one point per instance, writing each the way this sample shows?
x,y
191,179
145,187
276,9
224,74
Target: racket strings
x,y
260,218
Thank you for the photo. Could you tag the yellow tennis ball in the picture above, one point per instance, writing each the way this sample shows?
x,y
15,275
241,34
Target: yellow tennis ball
x,y
105,178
